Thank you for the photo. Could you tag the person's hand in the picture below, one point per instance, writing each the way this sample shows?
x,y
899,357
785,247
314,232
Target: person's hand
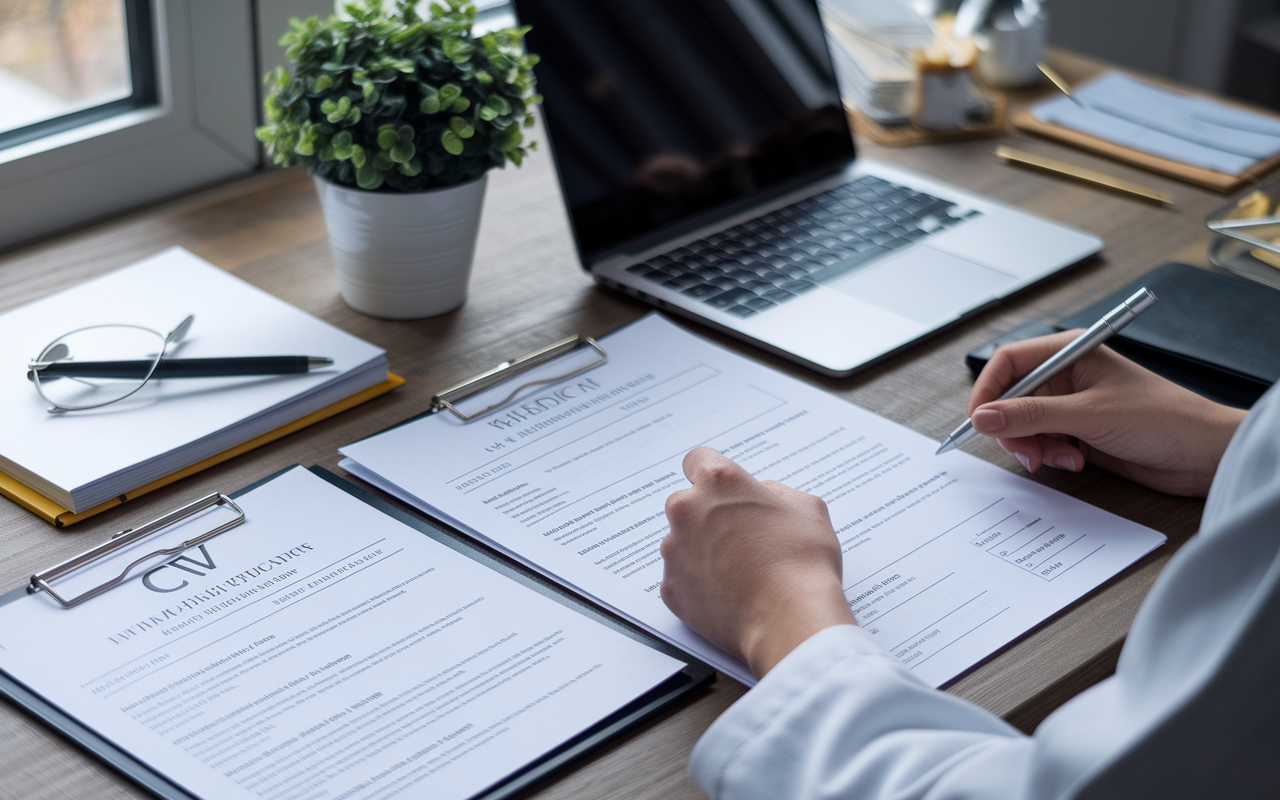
x,y
1106,410
752,566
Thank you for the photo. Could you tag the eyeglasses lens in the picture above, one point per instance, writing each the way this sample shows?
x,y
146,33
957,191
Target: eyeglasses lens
x,y
124,358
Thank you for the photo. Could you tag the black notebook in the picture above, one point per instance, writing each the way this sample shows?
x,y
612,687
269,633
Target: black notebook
x,y
1212,333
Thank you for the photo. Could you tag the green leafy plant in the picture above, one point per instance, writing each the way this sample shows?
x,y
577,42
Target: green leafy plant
x,y
394,101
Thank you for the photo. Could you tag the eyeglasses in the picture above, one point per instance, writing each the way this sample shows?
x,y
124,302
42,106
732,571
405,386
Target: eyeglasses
x,y
103,364
124,358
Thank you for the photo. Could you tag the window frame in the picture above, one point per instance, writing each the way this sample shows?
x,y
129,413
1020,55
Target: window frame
x,y
209,58
142,74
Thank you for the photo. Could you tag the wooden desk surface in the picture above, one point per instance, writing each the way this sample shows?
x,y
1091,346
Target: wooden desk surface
x,y
526,291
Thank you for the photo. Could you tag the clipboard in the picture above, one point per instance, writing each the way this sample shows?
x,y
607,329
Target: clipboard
x,y
506,371
684,684
510,370
1198,176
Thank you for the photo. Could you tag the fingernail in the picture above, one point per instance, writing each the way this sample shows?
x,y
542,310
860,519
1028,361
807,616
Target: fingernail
x,y
1023,460
988,420
1065,462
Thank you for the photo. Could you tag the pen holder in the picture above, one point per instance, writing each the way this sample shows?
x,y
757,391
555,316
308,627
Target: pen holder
x,y
947,95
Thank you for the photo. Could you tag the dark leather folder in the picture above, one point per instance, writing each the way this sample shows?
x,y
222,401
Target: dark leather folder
x,y
1215,334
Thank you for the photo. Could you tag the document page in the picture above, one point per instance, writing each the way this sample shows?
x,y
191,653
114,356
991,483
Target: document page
x,y
946,558
323,649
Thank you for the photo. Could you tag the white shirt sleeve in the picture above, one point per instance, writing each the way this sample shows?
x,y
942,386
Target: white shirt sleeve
x,y
1192,711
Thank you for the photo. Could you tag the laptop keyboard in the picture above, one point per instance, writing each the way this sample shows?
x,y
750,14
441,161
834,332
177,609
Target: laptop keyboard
x,y
753,267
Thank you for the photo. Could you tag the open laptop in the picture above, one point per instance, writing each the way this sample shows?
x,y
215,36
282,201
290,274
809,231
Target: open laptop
x,y
708,168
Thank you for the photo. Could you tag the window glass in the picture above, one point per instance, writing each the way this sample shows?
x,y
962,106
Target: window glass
x,y
58,57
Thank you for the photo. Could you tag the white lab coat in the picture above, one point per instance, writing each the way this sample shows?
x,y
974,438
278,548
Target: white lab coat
x,y
1193,710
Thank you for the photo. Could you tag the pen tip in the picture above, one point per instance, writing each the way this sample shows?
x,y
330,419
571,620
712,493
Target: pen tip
x,y
316,362
947,444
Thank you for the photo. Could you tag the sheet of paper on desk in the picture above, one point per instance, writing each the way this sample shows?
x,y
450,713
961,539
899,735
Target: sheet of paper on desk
x,y
325,649
1183,128
947,559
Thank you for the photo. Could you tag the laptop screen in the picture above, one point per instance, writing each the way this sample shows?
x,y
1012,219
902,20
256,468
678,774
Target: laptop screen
x,y
661,111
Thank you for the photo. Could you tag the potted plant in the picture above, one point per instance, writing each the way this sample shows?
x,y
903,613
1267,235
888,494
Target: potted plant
x,y
399,119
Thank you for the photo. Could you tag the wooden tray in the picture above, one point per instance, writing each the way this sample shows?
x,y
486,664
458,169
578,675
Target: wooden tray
x,y
909,133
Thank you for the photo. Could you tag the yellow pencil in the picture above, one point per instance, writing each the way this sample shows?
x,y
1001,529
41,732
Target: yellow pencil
x,y
1015,156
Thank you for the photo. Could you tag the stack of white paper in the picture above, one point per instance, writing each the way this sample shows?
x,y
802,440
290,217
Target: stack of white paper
x,y
889,21
83,458
872,43
1179,127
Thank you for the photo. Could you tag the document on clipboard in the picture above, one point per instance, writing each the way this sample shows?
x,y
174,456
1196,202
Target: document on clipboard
x,y
324,648
946,559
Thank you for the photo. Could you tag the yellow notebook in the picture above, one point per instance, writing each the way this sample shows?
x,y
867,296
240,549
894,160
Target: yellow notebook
x,y
61,517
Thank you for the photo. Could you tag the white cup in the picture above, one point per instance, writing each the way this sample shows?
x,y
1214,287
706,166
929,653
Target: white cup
x,y
1010,50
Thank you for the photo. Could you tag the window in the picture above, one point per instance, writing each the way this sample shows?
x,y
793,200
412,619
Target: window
x,y
165,100
64,62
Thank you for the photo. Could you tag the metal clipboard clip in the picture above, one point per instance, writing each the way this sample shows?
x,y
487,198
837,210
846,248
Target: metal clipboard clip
x,y
42,580
509,369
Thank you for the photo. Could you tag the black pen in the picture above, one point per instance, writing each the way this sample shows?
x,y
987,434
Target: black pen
x,y
182,367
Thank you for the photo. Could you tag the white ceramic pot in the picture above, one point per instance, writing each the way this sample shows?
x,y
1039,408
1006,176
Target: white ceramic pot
x,y
403,255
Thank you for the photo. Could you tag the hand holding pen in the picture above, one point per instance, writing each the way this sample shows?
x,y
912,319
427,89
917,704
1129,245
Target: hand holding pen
x,y
1105,410
1079,347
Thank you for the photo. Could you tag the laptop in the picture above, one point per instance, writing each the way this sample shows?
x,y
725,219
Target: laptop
x,y
709,169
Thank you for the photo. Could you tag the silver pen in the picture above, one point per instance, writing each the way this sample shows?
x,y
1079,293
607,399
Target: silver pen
x,y
1079,347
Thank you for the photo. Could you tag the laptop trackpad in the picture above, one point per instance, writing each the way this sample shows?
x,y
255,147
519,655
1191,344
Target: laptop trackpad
x,y
925,285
